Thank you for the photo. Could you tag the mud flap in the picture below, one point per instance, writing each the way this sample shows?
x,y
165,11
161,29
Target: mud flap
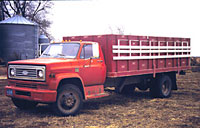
x,y
173,78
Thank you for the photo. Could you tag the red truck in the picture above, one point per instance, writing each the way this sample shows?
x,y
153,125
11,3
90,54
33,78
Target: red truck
x,y
80,67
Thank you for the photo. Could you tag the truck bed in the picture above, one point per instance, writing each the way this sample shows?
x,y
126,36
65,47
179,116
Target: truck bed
x,y
127,55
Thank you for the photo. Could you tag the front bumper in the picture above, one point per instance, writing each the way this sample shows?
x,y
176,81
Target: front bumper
x,y
39,95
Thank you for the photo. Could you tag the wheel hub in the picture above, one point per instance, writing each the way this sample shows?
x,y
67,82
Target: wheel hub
x,y
68,101
165,88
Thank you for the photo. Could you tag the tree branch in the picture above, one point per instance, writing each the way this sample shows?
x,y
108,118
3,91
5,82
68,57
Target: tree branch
x,y
5,11
12,7
35,12
39,11
2,12
17,5
23,8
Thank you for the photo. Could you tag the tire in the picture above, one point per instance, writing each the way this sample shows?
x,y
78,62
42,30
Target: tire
x,y
162,87
24,104
69,100
128,89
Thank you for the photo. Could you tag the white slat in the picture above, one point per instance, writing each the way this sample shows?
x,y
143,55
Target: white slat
x,y
147,57
148,51
129,49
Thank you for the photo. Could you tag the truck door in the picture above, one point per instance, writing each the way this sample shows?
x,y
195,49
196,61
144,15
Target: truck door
x,y
93,71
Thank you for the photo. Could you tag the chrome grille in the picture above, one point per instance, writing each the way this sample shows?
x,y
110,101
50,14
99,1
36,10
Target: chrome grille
x,y
26,72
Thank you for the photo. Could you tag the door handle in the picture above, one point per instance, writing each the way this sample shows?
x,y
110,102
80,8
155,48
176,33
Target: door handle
x,y
99,60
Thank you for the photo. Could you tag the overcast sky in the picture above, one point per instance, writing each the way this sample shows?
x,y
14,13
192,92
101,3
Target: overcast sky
x,y
174,18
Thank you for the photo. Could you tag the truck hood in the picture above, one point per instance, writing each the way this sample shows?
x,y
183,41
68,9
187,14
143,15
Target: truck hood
x,y
42,61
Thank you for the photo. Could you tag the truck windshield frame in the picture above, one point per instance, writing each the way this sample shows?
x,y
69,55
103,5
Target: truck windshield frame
x,y
61,50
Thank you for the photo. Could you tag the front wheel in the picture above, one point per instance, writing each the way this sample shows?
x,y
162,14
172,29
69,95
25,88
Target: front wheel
x,y
69,100
162,87
24,104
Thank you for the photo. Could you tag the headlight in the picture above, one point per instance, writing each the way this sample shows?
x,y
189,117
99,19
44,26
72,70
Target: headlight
x,y
12,72
40,74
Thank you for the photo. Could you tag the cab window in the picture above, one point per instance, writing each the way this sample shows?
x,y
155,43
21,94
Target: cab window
x,y
86,52
90,51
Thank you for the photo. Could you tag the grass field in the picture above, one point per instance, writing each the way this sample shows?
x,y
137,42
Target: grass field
x,y
181,110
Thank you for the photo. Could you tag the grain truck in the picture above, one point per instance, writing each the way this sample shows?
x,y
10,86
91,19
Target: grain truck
x,y
81,67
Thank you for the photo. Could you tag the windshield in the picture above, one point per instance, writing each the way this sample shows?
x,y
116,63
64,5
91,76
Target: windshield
x,y
62,50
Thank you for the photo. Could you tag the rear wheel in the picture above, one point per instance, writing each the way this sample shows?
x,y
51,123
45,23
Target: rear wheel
x,y
24,104
69,100
162,87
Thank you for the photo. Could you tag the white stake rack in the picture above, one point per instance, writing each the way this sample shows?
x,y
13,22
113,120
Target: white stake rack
x,y
154,52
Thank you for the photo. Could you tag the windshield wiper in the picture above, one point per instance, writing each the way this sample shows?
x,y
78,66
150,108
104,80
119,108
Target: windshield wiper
x,y
61,54
46,54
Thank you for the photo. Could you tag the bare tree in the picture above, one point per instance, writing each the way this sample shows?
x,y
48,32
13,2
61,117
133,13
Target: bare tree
x,y
120,30
32,10
116,30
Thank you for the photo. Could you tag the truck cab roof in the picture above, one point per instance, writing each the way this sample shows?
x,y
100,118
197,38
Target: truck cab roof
x,y
81,42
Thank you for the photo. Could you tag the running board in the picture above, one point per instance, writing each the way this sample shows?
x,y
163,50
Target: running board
x,y
96,91
97,96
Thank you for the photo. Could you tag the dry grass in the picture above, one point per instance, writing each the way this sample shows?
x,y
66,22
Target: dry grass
x,y
182,110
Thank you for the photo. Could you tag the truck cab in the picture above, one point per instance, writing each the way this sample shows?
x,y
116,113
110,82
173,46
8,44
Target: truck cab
x,y
64,75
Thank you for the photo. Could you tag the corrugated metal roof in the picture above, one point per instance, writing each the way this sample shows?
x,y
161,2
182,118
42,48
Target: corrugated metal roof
x,y
17,20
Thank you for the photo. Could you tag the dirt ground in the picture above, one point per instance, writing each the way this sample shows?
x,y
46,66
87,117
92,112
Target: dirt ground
x,y
181,110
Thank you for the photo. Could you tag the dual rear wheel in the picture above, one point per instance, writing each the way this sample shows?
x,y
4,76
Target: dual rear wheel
x,y
161,87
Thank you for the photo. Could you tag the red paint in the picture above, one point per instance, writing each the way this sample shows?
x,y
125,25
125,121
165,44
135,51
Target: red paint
x,y
96,91
133,67
39,95
92,73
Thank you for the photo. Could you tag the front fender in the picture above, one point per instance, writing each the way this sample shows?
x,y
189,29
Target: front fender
x,y
62,76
